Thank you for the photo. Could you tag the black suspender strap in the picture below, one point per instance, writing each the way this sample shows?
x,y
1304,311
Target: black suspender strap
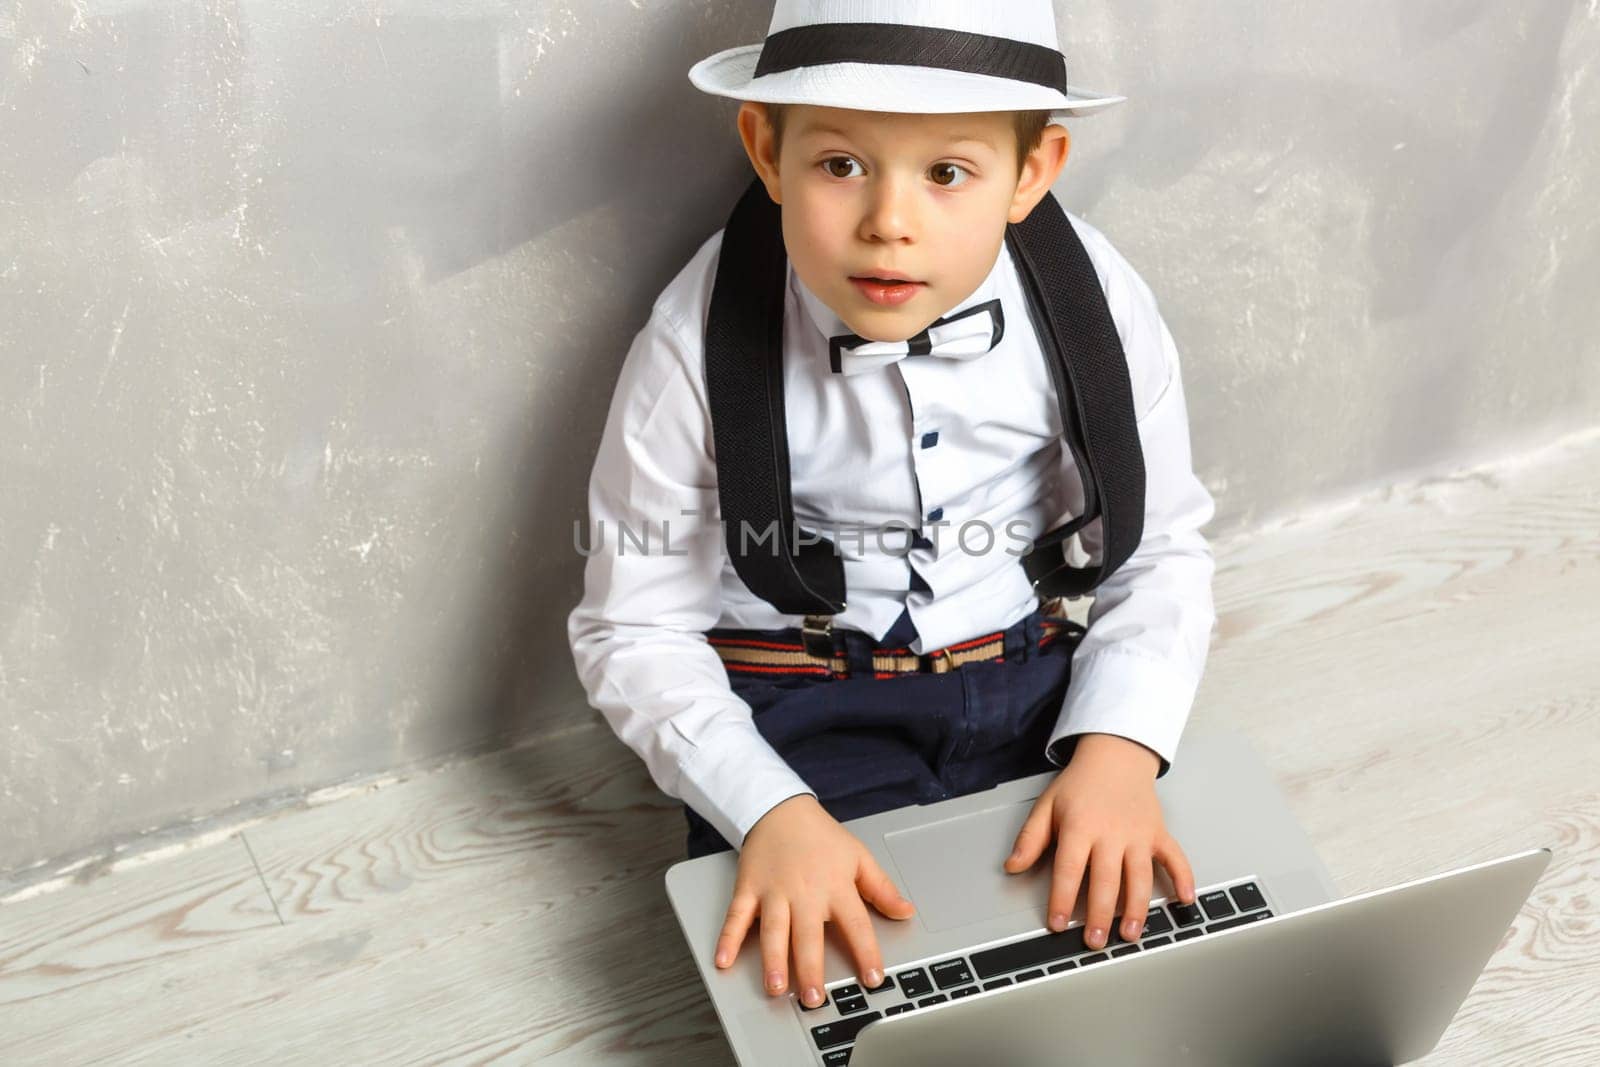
x,y
1095,395
797,572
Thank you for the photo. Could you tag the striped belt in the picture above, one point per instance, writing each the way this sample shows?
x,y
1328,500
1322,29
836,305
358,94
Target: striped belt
x,y
743,655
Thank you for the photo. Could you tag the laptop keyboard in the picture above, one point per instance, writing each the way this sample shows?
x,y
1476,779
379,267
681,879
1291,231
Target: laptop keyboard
x,y
849,1006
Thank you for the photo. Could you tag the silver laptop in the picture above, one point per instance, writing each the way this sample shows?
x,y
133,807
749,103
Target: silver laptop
x,y
1267,967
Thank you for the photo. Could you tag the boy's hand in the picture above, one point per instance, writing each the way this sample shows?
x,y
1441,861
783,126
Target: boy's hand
x,y
800,868
1104,812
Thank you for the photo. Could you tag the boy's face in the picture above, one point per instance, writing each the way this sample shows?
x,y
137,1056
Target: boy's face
x,y
923,197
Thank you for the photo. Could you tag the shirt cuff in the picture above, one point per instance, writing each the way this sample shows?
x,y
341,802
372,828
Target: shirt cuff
x,y
734,778
1137,697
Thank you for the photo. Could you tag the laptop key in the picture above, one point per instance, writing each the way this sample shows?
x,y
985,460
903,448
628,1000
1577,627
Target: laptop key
x,y
813,1007
850,1005
964,991
850,990
900,1009
1185,914
937,998
1028,976
842,1032
1241,920
1030,953
1216,904
1098,957
914,983
996,984
888,984
1247,896
1157,922
1057,968
951,973
1157,942
1125,950
839,1057
1184,935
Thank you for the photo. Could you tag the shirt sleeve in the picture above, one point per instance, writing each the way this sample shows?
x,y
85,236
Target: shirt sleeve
x,y
652,586
1136,671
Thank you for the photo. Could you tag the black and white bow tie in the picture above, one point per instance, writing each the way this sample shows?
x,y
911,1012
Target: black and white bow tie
x,y
965,335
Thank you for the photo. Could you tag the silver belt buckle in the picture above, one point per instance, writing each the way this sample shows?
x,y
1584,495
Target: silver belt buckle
x,y
816,633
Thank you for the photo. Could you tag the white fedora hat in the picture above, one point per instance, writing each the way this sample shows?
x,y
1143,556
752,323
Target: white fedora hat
x,y
927,56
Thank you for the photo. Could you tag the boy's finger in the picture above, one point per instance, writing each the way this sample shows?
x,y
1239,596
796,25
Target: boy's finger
x,y
1032,838
806,929
1177,867
741,912
774,944
1136,878
1072,853
874,885
851,917
1105,880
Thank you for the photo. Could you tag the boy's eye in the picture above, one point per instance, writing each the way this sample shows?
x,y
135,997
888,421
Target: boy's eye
x,y
831,165
939,172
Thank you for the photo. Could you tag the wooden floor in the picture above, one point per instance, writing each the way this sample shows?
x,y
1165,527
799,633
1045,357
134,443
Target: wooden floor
x,y
1422,672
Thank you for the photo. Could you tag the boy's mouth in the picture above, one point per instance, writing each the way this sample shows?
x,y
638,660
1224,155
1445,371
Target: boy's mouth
x,y
889,291
887,278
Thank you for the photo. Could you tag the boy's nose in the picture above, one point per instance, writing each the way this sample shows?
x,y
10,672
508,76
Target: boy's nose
x,y
889,218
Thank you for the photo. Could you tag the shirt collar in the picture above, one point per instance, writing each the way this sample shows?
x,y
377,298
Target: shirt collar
x,y
830,324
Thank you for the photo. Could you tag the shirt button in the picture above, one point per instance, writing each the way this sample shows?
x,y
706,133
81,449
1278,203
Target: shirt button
x,y
930,439
936,514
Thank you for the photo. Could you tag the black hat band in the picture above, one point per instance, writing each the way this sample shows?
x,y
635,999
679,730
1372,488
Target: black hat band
x,y
894,44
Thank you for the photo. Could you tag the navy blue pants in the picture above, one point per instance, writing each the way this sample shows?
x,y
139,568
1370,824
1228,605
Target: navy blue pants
x,y
868,744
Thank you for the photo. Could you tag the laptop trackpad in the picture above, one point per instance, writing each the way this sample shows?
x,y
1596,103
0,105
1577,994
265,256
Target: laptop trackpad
x,y
952,869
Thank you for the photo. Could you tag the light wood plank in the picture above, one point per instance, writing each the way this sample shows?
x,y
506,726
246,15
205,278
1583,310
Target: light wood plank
x,y
89,972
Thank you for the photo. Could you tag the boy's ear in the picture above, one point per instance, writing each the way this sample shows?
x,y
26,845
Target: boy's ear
x,y
1040,171
755,130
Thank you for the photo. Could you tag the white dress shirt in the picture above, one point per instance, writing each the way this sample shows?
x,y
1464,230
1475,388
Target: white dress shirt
x,y
974,443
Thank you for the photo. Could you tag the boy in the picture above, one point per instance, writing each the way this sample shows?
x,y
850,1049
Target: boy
x,y
900,145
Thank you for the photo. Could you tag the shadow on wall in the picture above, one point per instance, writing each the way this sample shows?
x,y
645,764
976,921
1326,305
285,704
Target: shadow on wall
x,y
665,175
499,138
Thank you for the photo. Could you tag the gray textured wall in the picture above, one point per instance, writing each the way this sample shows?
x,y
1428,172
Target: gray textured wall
x,y
310,316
